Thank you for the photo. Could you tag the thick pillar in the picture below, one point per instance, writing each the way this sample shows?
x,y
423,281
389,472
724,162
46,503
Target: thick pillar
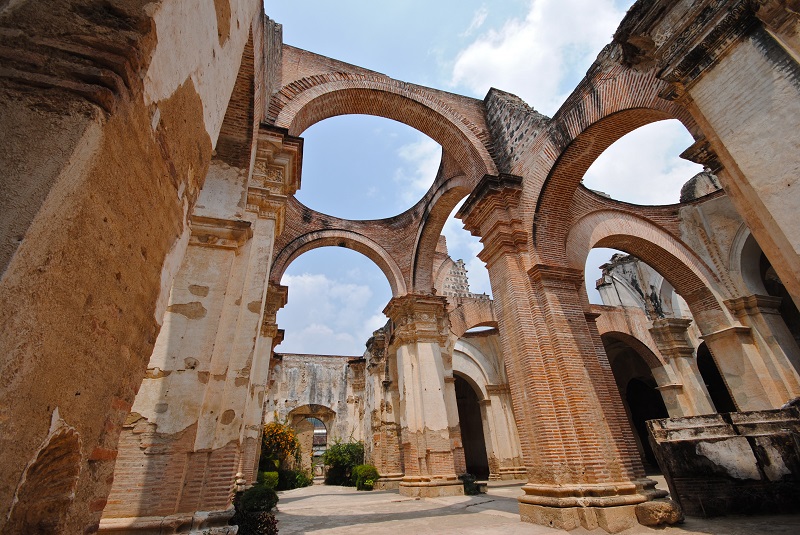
x,y
582,463
420,333
107,131
385,452
192,436
684,393
502,442
773,339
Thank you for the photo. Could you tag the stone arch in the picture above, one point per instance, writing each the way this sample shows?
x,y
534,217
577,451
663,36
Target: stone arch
x,y
437,211
744,260
649,355
472,313
474,366
682,269
309,100
48,485
610,102
341,238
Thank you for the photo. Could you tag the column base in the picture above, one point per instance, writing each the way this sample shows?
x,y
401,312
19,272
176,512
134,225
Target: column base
x,y
611,519
431,487
199,522
507,474
389,482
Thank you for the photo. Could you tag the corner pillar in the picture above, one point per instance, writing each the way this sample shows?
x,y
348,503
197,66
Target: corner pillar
x,y
582,463
418,340
685,394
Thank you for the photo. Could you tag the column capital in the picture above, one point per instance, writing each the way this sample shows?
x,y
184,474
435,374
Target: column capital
x,y
491,211
751,305
670,336
219,233
682,52
546,273
277,296
276,173
418,318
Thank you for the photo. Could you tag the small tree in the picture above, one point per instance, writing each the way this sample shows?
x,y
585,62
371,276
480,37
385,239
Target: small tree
x,y
278,444
341,458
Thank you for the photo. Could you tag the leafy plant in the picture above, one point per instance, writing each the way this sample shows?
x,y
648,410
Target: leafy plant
x,y
364,476
253,508
278,444
341,458
293,479
268,479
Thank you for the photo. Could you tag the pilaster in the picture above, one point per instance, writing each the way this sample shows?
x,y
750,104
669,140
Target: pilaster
x,y
418,339
687,392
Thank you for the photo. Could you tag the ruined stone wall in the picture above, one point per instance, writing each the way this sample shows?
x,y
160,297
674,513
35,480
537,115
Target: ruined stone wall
x,y
93,99
333,382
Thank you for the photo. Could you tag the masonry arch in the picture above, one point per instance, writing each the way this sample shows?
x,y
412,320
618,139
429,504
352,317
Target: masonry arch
x,y
306,101
340,238
471,313
610,102
635,367
436,212
690,277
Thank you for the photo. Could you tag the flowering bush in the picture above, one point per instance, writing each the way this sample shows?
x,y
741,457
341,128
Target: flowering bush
x,y
279,444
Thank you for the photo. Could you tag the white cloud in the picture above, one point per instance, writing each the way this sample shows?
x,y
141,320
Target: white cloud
x,y
643,167
419,164
327,316
477,21
536,58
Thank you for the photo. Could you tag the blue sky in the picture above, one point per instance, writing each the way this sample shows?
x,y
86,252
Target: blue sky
x,y
362,167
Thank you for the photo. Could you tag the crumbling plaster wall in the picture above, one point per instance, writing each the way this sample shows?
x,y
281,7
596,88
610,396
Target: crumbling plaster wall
x,y
100,226
335,382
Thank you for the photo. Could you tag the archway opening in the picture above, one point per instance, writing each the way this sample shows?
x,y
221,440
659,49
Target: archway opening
x,y
366,167
717,389
643,167
471,423
775,288
335,301
637,386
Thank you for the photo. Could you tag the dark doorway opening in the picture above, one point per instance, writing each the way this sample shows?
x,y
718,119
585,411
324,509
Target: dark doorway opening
x,y
717,390
645,403
469,417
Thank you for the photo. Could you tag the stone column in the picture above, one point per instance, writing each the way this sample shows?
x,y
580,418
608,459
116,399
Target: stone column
x,y
254,408
582,464
192,436
420,333
456,444
502,442
681,386
775,343
384,414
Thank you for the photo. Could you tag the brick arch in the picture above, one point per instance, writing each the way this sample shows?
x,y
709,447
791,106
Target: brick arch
x,y
689,275
471,313
608,104
437,211
341,238
309,100
648,354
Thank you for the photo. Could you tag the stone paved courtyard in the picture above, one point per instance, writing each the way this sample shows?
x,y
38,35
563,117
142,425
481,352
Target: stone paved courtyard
x,y
323,509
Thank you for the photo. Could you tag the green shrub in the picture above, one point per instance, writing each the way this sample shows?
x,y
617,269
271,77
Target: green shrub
x,y
364,476
341,458
292,479
258,498
268,479
253,508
